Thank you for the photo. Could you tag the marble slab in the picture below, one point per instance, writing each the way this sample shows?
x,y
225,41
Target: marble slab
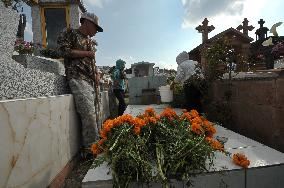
x,y
38,137
266,164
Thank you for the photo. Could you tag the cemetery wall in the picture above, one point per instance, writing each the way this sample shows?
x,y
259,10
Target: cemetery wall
x,y
257,107
38,138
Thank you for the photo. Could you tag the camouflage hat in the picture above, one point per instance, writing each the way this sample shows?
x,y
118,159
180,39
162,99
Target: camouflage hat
x,y
93,18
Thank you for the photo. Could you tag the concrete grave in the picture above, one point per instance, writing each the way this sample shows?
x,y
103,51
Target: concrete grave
x,y
266,164
15,80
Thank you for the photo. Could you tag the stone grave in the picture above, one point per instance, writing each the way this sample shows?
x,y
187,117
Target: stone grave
x,y
16,81
266,164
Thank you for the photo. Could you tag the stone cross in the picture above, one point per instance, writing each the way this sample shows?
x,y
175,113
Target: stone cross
x,y
261,32
245,27
261,22
205,29
21,26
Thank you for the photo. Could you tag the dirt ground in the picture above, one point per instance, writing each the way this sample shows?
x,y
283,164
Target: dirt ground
x,y
75,177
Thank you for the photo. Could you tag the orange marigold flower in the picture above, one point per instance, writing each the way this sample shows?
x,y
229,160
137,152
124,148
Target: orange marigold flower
x,y
137,130
139,122
152,120
126,118
208,139
95,149
150,111
169,113
101,141
194,113
217,145
211,130
186,116
196,128
103,134
196,119
241,160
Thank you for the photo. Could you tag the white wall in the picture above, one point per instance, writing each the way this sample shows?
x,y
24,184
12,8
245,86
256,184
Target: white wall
x,y
38,138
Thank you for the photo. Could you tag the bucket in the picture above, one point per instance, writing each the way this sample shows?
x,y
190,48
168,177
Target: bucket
x,y
166,94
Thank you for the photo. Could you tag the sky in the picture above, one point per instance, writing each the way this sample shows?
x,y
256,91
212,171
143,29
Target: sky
x,y
156,31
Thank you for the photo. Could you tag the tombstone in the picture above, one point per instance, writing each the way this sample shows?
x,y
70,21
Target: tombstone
x,y
261,32
21,27
16,81
205,29
245,27
50,17
143,85
142,69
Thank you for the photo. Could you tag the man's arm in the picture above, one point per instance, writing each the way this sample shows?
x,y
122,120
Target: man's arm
x,y
65,46
81,53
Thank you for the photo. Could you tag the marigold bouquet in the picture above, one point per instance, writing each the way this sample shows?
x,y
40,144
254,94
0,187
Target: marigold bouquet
x,y
156,148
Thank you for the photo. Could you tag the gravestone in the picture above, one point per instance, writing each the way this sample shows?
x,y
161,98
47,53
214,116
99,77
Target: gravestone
x,y
142,69
17,81
205,29
245,27
261,32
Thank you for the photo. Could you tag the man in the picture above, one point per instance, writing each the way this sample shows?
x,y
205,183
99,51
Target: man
x,y
119,78
77,49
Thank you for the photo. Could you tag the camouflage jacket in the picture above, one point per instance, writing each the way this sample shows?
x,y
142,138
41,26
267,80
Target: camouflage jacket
x,y
77,68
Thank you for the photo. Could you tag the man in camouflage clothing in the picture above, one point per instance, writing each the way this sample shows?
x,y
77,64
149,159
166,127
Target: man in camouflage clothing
x,y
76,47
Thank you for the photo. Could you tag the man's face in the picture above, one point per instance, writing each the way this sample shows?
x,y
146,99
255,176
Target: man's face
x,y
92,28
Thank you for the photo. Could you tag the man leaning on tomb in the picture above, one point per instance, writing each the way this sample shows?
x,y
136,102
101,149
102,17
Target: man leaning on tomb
x,y
74,45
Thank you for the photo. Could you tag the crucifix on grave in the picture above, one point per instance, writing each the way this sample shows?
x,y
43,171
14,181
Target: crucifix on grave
x,y
245,27
261,32
205,29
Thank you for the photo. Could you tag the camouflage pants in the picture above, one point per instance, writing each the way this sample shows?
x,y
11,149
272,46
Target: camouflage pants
x,y
84,96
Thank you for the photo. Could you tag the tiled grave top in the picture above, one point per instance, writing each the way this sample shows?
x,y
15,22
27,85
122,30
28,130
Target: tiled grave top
x,y
261,157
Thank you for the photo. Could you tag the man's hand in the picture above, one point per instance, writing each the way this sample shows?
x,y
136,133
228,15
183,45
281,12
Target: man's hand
x,y
90,54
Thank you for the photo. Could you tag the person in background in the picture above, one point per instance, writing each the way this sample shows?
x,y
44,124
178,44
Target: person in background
x,y
119,78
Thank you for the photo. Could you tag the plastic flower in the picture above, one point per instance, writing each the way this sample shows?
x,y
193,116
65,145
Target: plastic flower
x,y
241,160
